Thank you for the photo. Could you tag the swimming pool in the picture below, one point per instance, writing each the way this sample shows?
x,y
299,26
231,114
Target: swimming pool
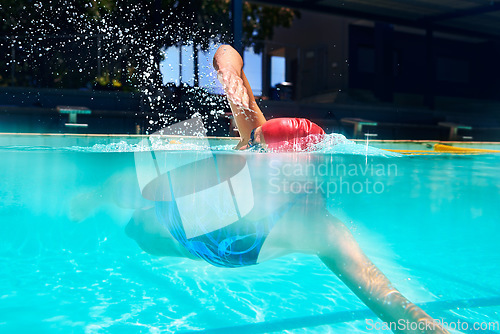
x,y
67,264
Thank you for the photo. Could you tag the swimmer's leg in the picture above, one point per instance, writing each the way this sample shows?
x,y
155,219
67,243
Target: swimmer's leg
x,y
331,240
120,190
152,236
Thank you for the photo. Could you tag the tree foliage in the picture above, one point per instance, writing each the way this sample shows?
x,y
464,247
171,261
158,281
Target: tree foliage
x,y
69,43
259,23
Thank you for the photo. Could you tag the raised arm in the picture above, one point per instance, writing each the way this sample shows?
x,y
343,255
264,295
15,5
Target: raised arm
x,y
247,114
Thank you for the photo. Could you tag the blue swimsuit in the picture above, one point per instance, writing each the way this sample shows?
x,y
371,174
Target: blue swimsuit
x,y
235,245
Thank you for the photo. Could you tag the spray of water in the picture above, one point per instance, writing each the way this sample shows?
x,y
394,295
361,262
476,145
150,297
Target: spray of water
x,y
116,45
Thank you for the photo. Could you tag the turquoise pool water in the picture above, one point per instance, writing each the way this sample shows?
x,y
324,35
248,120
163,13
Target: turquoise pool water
x,y
67,265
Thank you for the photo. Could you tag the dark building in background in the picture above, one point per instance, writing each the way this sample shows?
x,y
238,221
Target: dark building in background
x,y
327,53
414,82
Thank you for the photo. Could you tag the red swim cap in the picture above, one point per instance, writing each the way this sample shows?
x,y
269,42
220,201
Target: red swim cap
x,y
291,134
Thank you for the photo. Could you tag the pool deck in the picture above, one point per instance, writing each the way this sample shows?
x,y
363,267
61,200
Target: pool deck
x,y
86,140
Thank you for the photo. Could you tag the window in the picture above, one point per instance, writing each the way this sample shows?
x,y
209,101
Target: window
x,y
277,70
253,70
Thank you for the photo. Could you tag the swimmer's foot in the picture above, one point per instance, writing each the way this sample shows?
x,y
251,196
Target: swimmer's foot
x,y
82,205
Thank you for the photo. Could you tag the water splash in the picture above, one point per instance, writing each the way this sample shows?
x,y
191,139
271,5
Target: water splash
x,y
331,144
114,46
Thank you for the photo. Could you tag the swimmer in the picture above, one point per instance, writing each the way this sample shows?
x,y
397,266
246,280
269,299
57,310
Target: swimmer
x,y
323,235
276,225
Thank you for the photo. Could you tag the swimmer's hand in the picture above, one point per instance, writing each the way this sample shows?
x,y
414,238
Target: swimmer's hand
x,y
233,86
